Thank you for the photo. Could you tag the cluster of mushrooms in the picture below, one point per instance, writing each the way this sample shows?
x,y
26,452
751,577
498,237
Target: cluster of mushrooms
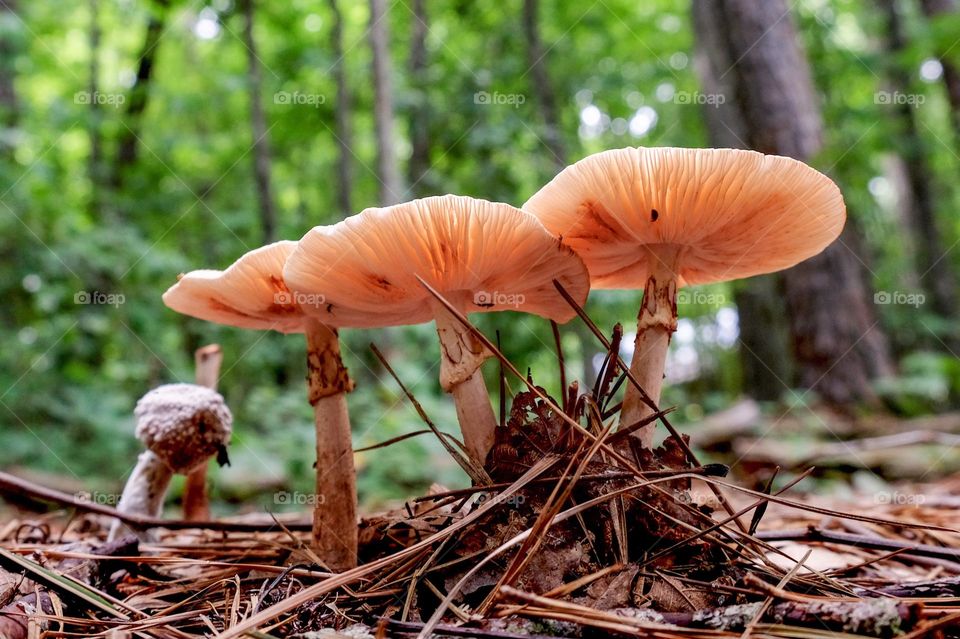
x,y
637,218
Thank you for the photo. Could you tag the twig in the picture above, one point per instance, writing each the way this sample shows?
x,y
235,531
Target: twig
x,y
937,589
646,399
453,631
12,484
560,359
393,440
864,541
707,471
460,317
477,474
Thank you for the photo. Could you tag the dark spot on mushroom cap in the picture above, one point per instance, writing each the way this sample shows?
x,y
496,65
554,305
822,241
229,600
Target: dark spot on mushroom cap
x,y
380,281
278,284
448,251
595,223
654,215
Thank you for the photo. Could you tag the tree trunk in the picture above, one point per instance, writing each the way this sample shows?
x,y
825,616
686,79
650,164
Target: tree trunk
x,y
765,357
934,9
387,171
546,98
8,51
837,354
95,167
128,142
419,164
258,125
342,116
542,87
932,261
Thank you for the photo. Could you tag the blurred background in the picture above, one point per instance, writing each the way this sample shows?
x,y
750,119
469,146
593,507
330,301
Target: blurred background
x,y
140,139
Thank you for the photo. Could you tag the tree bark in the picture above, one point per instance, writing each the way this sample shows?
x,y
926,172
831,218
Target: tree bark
x,y
934,9
95,167
766,360
341,116
8,51
419,166
542,87
128,142
545,96
837,354
258,125
387,171
932,261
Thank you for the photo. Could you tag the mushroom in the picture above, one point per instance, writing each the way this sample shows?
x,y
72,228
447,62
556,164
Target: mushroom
x,y
481,256
196,503
182,426
663,218
251,294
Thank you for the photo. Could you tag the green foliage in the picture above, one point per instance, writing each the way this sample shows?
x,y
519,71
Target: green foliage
x,y
927,382
70,373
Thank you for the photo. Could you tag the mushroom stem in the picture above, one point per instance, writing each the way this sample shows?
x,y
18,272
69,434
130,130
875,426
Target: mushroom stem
x,y
656,323
461,355
196,503
475,414
143,493
335,508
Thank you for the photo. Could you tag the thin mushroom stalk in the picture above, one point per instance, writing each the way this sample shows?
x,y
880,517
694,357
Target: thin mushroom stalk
x,y
144,492
462,354
335,511
196,501
656,324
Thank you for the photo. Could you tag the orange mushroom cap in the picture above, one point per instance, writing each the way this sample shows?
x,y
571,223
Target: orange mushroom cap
x,y
732,213
250,293
482,256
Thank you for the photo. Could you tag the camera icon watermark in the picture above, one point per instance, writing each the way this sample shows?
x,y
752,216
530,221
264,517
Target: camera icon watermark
x,y
897,97
96,497
697,499
290,298
701,298
698,98
99,298
896,498
899,298
286,498
499,99
104,99
489,299
507,500
296,98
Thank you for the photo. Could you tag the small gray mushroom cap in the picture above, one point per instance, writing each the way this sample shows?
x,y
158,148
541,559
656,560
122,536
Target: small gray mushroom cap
x,y
183,424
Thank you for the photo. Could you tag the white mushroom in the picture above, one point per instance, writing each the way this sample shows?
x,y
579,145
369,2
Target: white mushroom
x,y
182,426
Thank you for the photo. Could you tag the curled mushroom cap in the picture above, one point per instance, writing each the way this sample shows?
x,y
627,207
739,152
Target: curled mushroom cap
x,y
249,294
731,213
482,256
183,424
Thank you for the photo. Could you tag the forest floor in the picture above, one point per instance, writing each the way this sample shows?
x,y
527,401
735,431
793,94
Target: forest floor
x,y
572,543
570,530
